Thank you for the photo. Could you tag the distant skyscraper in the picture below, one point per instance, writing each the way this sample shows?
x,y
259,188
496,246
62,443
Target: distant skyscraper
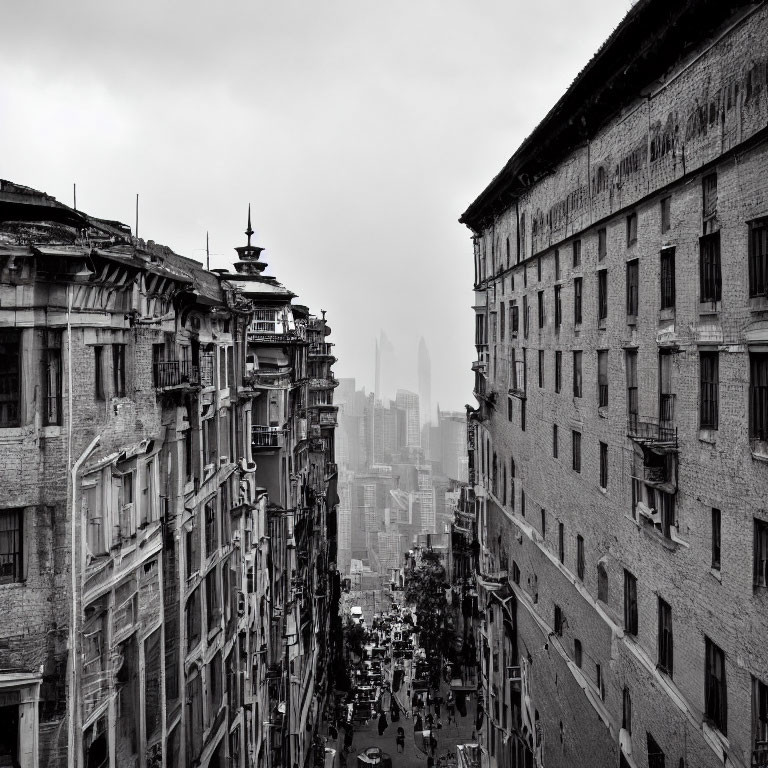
x,y
409,402
386,368
424,367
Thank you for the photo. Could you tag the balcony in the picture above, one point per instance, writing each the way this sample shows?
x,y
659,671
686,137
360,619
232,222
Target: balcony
x,y
760,755
268,379
263,436
327,418
654,432
171,374
320,349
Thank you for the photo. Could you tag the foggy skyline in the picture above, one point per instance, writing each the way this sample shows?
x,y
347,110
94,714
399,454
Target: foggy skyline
x,y
357,132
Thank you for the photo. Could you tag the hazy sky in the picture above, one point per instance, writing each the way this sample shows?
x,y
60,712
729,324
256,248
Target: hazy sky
x,y
358,131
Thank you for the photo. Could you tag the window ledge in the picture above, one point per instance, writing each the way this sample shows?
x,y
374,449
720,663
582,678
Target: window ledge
x,y
709,307
758,303
631,319
759,450
716,574
633,520
602,411
707,435
52,430
13,584
667,314
602,490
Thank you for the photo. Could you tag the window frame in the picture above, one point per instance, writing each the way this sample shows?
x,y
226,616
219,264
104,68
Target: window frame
x,y
602,296
580,557
12,539
716,539
578,294
715,686
709,389
630,603
578,380
710,269
665,657
118,370
12,373
633,288
757,258
576,451
603,465
667,287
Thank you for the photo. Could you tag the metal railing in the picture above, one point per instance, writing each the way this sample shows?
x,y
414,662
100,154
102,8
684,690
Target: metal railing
x,y
321,348
174,373
666,408
760,755
263,436
647,430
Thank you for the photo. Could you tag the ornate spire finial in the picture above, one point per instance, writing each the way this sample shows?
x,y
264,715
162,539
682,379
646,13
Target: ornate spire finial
x,y
249,231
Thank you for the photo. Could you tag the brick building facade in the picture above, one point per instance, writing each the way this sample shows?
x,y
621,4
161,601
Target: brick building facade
x,y
620,442
161,586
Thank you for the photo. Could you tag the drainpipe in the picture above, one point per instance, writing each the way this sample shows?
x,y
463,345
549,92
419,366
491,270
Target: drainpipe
x,y
73,751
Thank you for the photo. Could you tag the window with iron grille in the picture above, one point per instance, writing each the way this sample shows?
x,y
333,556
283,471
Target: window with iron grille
x,y
558,307
631,364
758,258
557,264
668,278
555,446
715,688
576,247
11,545
630,603
602,243
558,620
264,321
602,295
576,450
655,755
580,557
626,711
632,287
577,300
716,540
758,396
10,378
604,465
577,374
631,229
541,309
558,370
541,368
709,388
760,553
665,637
514,319
710,279
118,370
666,209
561,542
52,378
602,378
760,719
709,197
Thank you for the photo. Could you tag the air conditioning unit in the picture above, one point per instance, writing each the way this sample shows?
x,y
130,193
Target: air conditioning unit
x,y
643,509
223,460
247,466
514,674
208,469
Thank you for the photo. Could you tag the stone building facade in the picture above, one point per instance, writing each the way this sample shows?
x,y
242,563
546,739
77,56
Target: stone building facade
x,y
619,447
149,618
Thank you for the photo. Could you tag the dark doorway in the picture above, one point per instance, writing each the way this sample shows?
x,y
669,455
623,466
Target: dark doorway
x,y
9,734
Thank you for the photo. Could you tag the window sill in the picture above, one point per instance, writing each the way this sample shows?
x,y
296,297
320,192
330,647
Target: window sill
x,y
709,307
716,574
602,411
632,320
759,450
707,435
758,304
602,324
13,584
602,490
665,315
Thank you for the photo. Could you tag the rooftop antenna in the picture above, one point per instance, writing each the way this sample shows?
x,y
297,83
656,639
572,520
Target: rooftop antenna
x,y
137,215
74,195
249,231
207,253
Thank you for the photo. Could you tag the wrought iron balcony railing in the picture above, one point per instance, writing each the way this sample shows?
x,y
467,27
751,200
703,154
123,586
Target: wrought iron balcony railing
x,y
263,436
175,373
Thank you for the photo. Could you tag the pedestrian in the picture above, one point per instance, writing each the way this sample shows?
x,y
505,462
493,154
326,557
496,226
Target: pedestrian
x,y
439,723
433,743
451,712
382,723
400,740
418,724
430,761
437,706
333,732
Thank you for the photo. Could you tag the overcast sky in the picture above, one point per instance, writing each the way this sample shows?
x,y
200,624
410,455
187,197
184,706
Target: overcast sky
x,y
359,131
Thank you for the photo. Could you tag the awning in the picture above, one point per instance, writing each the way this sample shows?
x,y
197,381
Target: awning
x,y
273,357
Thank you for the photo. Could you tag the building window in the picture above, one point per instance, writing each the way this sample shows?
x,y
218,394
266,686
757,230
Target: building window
x,y
538,269
758,258
522,502
602,295
557,264
522,415
118,370
509,409
758,396
577,374
559,618
502,318
193,619
716,539
543,523
558,307
632,287
599,680
525,316
580,557
759,720
602,243
211,529
212,601
626,711
655,754
602,378
604,466
715,690
709,199
10,378
561,542
558,371
577,301
514,319
665,637
602,582
668,278
577,653
632,404
576,446
631,229
541,368
630,603
98,372
508,251
11,545
554,441
761,553
541,309
709,388
666,207
576,253
52,378
710,279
